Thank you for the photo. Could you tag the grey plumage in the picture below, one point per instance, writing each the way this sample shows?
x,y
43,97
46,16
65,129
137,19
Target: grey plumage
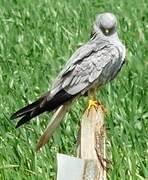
x,y
96,62
92,65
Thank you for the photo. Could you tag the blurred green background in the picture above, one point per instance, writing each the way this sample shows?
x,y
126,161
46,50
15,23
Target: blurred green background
x,y
36,38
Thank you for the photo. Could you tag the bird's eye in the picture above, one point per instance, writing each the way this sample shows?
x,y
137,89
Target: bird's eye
x,y
107,31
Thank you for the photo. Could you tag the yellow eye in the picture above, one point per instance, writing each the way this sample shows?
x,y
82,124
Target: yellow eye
x,y
106,31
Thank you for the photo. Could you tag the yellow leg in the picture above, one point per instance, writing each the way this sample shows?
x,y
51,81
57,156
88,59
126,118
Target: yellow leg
x,y
92,102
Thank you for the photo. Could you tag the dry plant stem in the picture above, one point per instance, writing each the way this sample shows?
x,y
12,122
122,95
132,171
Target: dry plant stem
x,y
92,142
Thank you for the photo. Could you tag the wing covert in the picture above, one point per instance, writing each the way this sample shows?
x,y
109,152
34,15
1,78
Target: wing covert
x,y
80,74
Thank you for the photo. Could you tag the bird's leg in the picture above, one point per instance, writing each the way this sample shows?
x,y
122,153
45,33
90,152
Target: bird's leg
x,y
92,102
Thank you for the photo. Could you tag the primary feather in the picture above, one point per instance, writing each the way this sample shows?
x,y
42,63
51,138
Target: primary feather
x,y
41,105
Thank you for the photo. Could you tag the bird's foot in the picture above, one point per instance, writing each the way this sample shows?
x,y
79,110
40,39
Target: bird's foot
x,y
92,103
96,105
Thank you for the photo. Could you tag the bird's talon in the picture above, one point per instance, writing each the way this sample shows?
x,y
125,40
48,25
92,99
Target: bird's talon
x,y
96,105
92,103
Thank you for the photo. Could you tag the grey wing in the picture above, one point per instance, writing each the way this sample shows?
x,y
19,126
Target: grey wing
x,y
83,52
97,65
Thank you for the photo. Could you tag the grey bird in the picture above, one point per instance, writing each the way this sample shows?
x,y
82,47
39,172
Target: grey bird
x,y
91,66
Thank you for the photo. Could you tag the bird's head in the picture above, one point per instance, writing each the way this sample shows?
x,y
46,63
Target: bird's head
x,y
105,23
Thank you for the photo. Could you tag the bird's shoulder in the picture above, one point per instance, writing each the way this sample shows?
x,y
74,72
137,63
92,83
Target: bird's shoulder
x,y
83,53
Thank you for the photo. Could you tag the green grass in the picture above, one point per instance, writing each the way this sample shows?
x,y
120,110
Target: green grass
x,y
36,39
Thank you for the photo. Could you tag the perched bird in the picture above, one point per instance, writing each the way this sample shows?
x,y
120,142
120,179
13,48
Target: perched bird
x,y
91,66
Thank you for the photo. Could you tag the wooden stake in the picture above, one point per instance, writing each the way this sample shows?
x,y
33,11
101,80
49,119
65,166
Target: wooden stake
x,y
92,144
92,165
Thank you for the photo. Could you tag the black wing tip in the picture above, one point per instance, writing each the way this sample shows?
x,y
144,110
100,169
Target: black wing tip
x,y
34,109
23,120
13,116
18,125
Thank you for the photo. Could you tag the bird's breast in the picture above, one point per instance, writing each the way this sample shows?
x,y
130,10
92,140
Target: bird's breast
x,y
114,65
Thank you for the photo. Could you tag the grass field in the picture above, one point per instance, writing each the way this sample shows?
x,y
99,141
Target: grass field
x,y
36,38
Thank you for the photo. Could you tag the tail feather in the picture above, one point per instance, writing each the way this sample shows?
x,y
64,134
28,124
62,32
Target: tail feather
x,y
41,105
53,124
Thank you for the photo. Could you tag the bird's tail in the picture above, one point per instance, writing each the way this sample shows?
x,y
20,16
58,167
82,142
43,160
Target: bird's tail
x,y
43,104
53,123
